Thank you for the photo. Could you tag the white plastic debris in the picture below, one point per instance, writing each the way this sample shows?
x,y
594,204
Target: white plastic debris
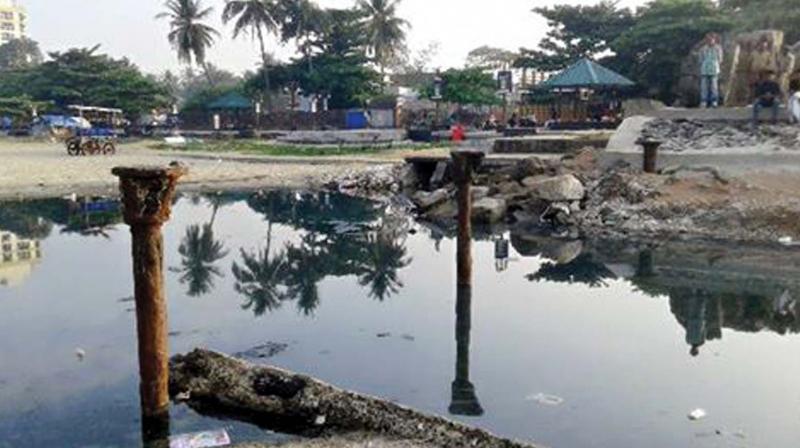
x,y
175,140
545,399
183,396
786,240
205,439
80,354
697,414
320,420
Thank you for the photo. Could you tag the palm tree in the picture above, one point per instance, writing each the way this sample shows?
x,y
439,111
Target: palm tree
x,y
188,35
200,251
259,279
256,17
385,31
302,20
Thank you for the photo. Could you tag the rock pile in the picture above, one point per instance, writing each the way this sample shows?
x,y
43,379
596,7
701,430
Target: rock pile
x,y
533,191
375,183
683,135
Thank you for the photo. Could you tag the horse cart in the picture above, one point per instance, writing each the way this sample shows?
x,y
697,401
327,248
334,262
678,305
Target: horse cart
x,y
98,135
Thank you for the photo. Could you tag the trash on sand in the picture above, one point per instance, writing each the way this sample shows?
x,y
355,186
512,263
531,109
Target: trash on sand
x,y
697,414
205,439
175,140
80,354
545,399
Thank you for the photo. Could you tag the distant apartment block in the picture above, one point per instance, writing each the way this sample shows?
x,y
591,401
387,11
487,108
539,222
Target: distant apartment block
x,y
13,20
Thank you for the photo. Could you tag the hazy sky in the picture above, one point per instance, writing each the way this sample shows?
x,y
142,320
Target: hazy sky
x,y
128,28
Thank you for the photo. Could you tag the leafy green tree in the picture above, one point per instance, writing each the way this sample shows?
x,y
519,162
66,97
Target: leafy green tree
x,y
189,35
20,54
576,31
82,76
652,50
490,58
750,15
467,86
340,67
386,33
258,18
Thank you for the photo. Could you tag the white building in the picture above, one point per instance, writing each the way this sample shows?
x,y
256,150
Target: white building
x,y
13,21
17,258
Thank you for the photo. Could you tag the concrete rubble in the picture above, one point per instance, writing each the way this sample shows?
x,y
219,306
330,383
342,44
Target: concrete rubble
x,y
222,386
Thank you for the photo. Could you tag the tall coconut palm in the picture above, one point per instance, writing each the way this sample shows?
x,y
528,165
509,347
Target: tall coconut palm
x,y
386,32
257,18
188,34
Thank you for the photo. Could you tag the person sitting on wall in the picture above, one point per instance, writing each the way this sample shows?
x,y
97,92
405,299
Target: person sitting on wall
x,y
768,96
513,121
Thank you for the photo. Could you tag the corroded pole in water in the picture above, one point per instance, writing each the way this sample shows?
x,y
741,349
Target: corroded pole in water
x,y
464,401
464,163
147,195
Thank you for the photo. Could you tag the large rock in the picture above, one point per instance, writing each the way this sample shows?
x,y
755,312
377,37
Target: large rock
x,y
489,210
555,189
425,200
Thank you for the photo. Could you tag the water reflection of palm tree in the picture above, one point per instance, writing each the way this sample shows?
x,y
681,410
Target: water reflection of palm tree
x,y
385,255
200,251
259,279
306,263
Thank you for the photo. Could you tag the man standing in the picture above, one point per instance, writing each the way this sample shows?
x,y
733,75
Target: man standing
x,y
768,96
711,56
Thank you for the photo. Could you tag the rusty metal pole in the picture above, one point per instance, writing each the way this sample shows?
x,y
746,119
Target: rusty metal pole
x,y
147,195
464,401
464,162
650,154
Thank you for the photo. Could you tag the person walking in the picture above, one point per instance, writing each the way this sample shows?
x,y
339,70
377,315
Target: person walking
x,y
711,57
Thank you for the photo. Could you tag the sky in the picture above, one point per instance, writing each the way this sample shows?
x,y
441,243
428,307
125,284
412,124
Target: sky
x,y
129,28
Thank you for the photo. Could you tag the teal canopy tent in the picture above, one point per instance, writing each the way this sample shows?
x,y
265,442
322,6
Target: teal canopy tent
x,y
586,74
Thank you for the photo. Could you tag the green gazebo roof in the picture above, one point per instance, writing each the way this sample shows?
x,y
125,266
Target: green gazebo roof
x,y
231,100
586,73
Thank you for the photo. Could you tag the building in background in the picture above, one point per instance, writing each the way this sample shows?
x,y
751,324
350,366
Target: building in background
x,y
17,258
13,21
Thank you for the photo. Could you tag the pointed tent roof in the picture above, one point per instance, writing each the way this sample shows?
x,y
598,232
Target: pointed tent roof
x,y
232,100
586,73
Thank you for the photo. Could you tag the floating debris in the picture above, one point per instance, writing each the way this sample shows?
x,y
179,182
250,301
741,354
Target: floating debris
x,y
268,350
545,399
80,354
205,439
384,335
697,414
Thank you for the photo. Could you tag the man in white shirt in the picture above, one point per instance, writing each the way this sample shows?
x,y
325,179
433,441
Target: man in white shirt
x,y
794,102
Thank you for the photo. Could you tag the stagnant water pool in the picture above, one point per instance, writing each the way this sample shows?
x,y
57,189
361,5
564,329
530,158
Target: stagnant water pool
x,y
571,343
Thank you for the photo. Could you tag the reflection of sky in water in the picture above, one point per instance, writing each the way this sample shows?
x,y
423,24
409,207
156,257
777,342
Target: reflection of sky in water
x,y
618,358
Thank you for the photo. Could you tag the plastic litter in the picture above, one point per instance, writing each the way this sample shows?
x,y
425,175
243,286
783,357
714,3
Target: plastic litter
x,y
697,414
205,439
80,354
545,399
786,241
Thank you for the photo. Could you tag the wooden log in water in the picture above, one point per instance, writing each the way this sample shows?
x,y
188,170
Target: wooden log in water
x,y
279,400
